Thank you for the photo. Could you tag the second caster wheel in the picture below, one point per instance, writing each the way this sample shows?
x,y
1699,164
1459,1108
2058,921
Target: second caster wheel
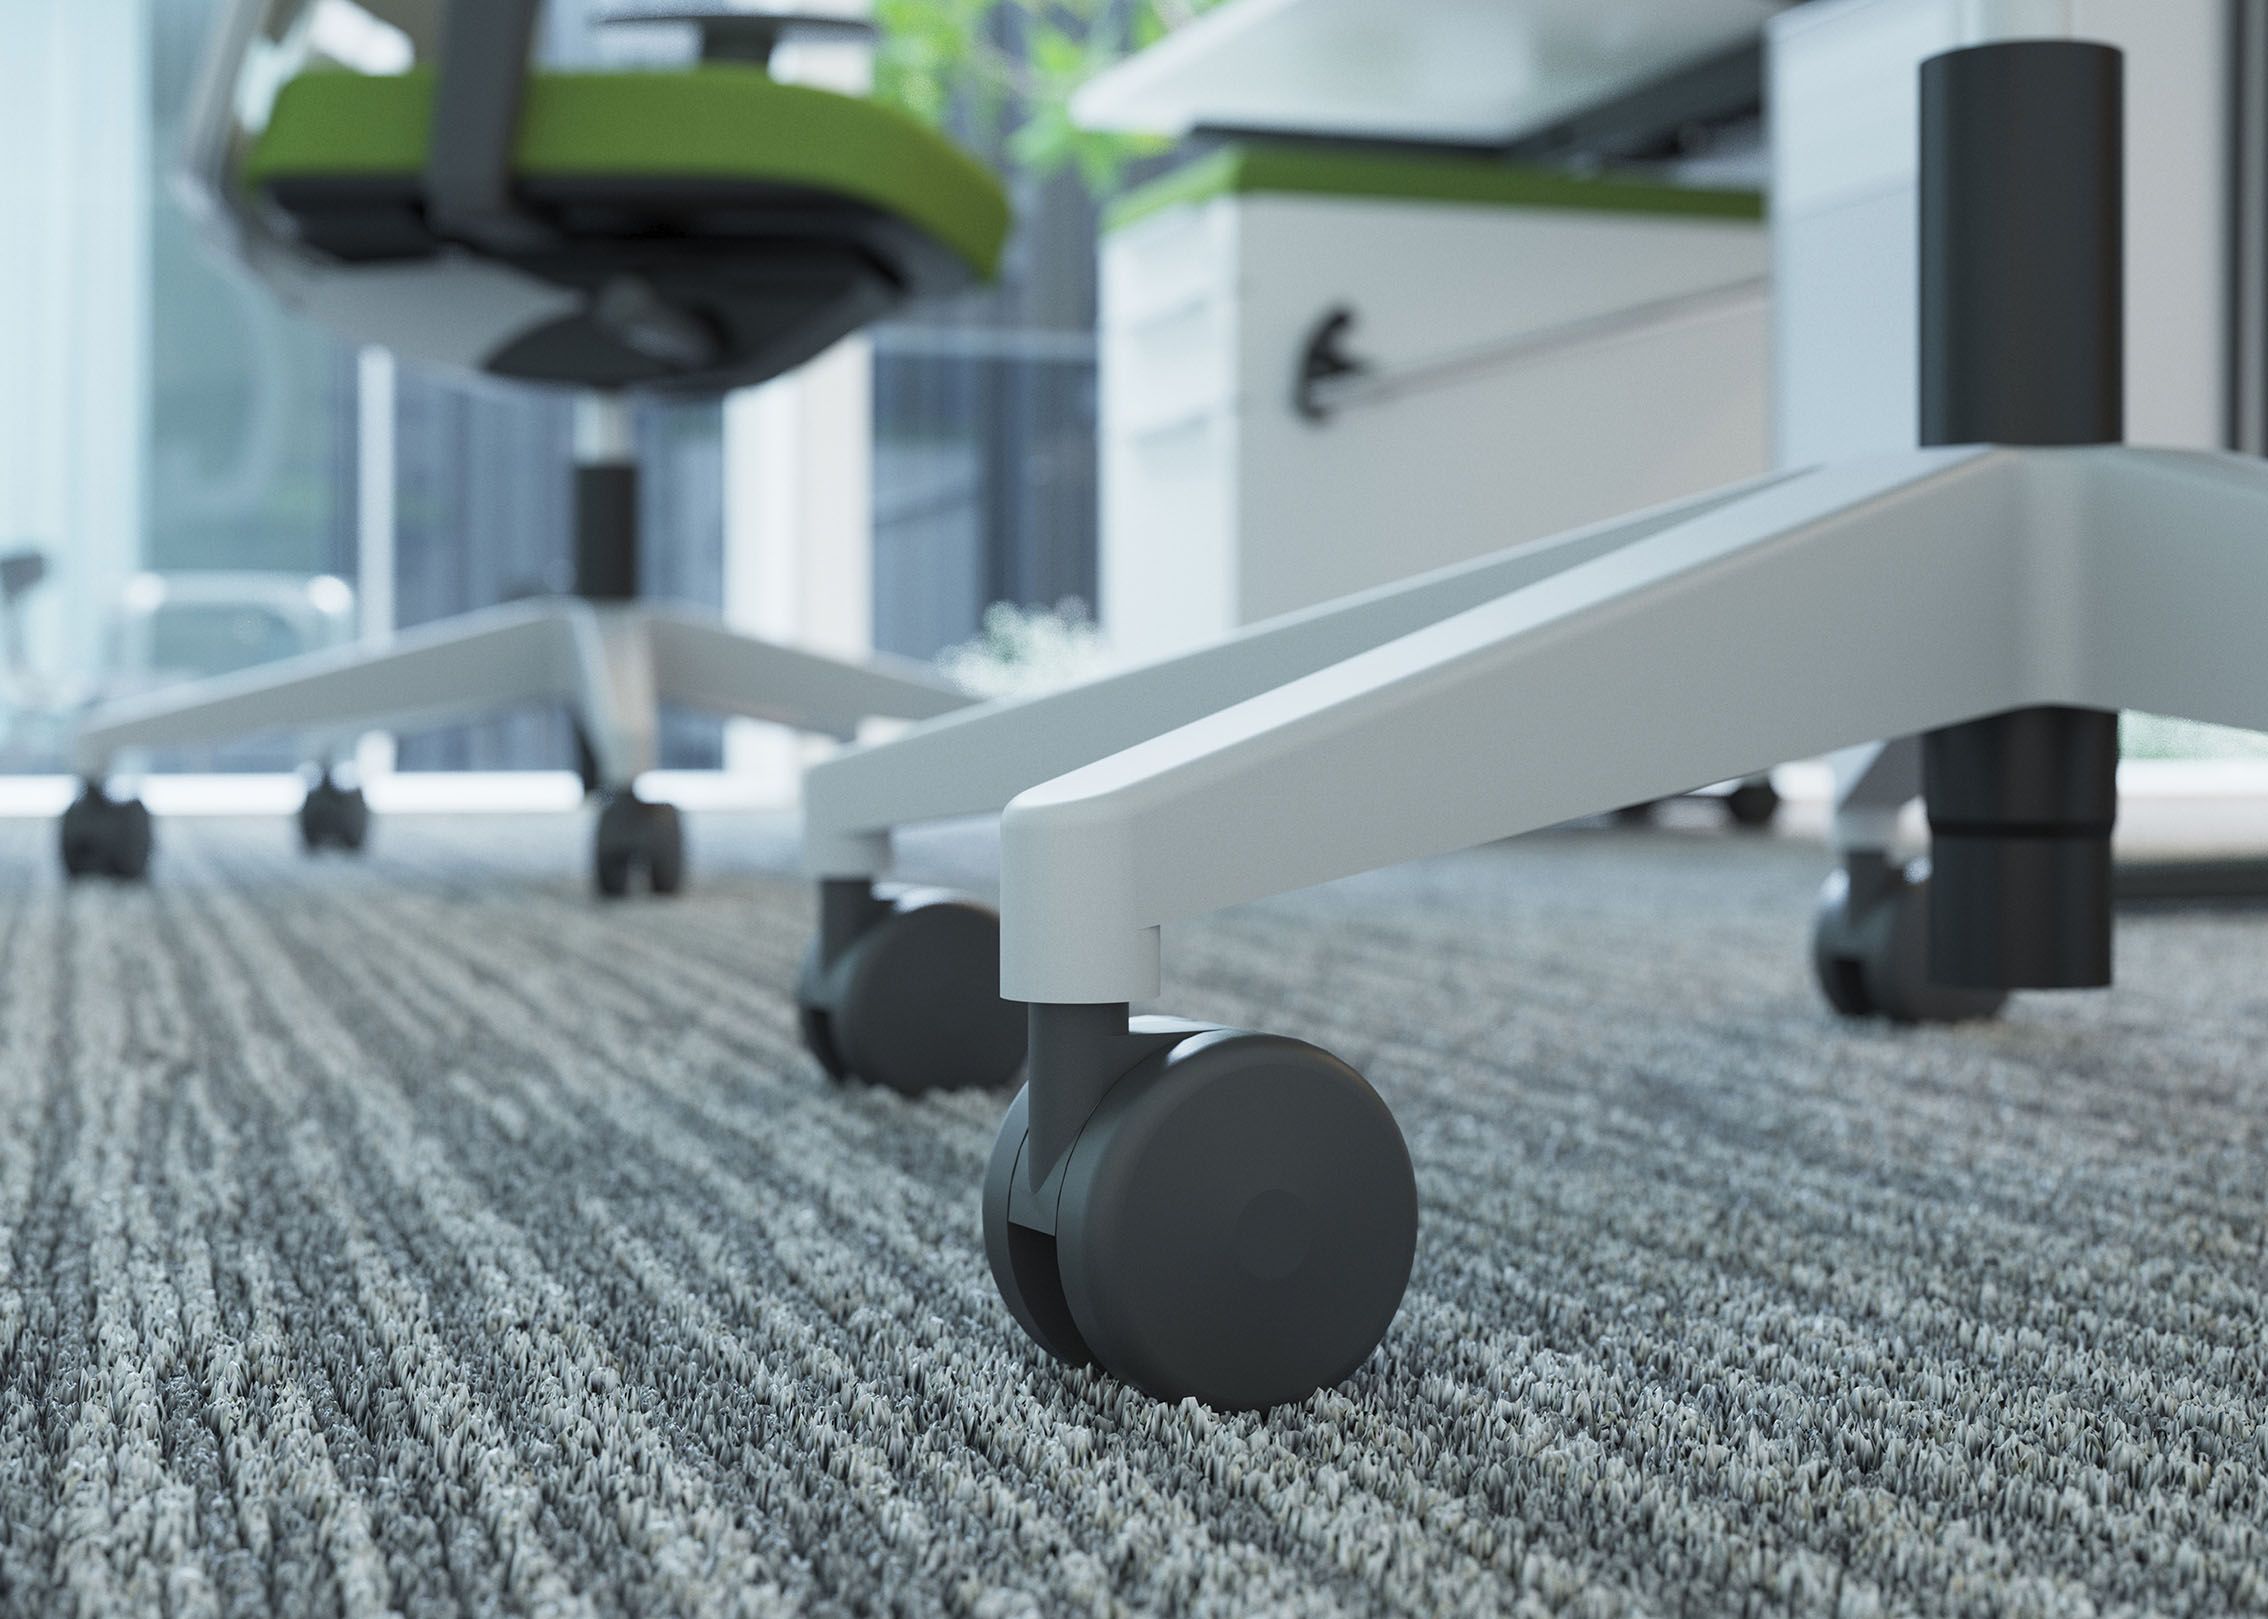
x,y
1235,1224
1753,805
103,836
334,817
1870,948
636,838
913,1002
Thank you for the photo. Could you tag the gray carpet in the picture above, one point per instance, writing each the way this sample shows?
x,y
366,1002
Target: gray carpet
x,y
418,1237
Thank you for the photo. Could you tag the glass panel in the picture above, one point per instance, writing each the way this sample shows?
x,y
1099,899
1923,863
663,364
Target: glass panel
x,y
251,475
984,487
74,105
985,438
2151,736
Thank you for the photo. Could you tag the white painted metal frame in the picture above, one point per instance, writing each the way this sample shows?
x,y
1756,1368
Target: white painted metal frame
x,y
613,666
1798,617
976,761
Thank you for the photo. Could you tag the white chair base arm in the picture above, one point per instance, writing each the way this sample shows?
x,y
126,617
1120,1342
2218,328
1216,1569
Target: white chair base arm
x,y
974,762
523,652
1866,601
703,665
612,665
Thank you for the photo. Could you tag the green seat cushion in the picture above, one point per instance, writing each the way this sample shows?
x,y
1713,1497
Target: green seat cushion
x,y
717,123
1246,170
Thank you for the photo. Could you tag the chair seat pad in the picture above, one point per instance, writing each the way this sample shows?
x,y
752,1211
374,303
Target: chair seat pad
x,y
718,128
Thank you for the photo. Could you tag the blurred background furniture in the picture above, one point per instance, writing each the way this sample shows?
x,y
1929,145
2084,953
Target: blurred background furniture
x,y
677,232
1325,369
1481,75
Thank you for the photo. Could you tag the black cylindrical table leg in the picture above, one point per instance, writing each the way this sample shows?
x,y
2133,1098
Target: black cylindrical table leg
x,y
2023,343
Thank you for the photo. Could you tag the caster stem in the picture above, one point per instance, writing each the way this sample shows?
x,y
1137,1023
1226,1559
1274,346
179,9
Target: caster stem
x,y
1872,876
848,908
1078,1054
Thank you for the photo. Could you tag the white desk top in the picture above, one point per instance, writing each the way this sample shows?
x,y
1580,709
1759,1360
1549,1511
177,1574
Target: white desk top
x,y
1465,72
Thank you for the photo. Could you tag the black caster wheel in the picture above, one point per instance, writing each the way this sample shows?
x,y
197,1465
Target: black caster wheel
x,y
1022,1259
817,1025
106,837
1753,805
637,837
1236,1225
334,817
913,1004
1870,948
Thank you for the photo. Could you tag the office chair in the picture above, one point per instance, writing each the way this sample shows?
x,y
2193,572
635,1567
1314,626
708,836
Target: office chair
x,y
1231,1216
614,234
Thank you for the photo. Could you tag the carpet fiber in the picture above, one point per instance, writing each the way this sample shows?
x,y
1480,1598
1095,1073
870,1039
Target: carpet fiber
x,y
418,1236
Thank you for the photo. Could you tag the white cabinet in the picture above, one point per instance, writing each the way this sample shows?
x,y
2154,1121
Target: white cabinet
x,y
1547,352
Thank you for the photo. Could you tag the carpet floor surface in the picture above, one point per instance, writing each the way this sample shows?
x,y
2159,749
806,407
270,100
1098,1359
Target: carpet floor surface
x,y
420,1236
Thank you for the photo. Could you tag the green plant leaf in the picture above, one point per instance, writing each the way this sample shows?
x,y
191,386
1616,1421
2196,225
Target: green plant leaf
x,y
1004,72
